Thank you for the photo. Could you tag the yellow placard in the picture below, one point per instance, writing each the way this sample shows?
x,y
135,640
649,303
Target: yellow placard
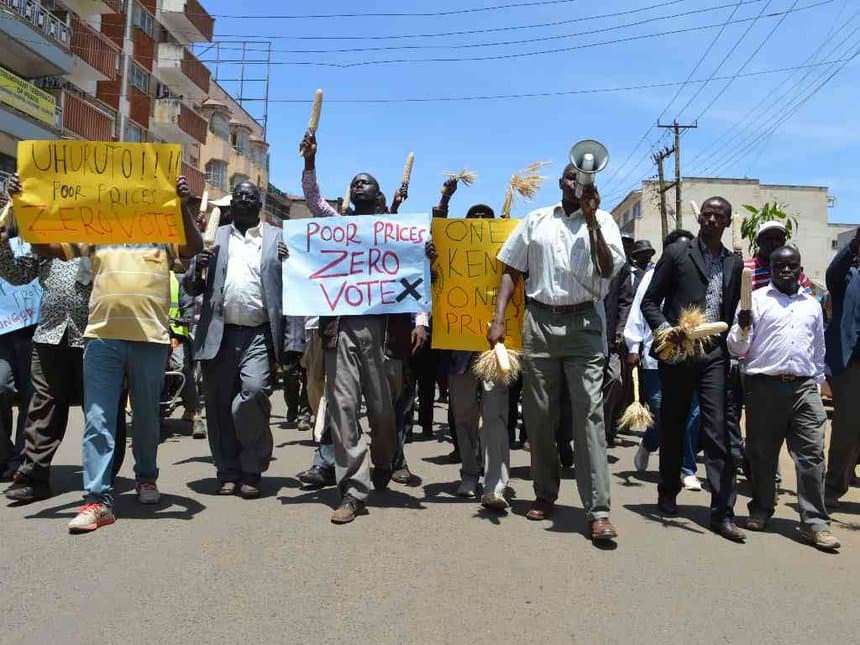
x,y
99,192
26,97
466,279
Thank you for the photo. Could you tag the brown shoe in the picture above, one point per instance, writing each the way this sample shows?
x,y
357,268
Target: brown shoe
x,y
227,488
541,510
347,511
602,530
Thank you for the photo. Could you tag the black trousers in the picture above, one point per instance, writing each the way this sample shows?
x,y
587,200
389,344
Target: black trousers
x,y
708,376
295,386
423,367
56,373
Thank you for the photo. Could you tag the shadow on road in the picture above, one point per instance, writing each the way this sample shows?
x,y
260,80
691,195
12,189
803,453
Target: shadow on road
x,y
269,486
636,478
686,514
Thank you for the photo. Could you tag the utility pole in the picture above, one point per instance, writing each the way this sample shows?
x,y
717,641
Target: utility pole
x,y
677,151
659,158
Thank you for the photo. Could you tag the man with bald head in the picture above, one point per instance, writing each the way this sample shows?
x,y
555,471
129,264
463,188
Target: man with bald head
x,y
699,273
239,337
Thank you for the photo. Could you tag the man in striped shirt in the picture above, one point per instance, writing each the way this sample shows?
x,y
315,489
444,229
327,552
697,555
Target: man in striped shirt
x,y
568,253
769,237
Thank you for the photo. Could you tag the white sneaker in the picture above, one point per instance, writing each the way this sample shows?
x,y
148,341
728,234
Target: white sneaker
x,y
467,487
147,493
691,482
640,459
90,517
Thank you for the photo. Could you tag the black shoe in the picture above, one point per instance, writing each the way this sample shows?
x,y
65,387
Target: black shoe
x,y
24,491
402,475
667,506
454,456
315,477
250,488
380,478
304,423
728,529
7,473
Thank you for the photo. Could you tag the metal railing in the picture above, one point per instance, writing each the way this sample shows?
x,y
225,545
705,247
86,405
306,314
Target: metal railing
x,y
41,19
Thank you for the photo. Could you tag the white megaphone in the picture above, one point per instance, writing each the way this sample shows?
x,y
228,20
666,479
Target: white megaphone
x,y
589,157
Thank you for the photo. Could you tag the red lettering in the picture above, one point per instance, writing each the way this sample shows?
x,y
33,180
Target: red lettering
x,y
40,211
353,289
373,257
341,256
312,230
355,262
390,255
337,298
383,293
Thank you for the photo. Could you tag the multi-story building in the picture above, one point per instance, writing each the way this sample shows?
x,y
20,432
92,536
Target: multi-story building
x,y
639,213
103,70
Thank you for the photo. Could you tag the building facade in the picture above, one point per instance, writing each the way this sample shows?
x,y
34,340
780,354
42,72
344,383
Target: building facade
x,y
104,70
639,213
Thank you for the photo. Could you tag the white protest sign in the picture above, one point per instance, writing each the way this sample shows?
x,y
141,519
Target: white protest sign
x,y
357,265
19,305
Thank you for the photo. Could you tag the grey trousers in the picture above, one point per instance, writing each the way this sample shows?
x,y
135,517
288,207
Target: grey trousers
x,y
357,364
570,344
790,412
238,382
474,401
845,431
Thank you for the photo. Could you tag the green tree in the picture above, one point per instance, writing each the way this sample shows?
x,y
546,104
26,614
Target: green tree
x,y
769,211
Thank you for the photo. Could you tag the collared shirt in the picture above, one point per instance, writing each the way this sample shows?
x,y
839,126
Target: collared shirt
x,y
637,332
761,274
786,335
554,250
65,300
244,302
714,293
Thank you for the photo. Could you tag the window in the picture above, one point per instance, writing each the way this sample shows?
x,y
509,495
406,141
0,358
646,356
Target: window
x,y
637,210
237,179
219,126
216,173
134,133
138,78
144,20
241,141
834,244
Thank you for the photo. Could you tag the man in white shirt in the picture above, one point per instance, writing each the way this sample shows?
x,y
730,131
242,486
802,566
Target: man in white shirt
x,y
782,340
239,337
569,253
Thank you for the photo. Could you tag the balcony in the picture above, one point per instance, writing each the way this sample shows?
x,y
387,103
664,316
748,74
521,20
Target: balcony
x,y
96,56
35,42
90,7
196,179
186,20
182,72
175,122
86,118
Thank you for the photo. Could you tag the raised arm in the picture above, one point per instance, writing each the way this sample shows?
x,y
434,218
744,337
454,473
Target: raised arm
x,y
448,190
316,204
193,240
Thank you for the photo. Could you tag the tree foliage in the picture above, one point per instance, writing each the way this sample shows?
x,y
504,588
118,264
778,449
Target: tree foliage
x,y
769,211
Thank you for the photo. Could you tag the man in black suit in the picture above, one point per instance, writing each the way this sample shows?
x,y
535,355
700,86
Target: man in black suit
x,y
701,273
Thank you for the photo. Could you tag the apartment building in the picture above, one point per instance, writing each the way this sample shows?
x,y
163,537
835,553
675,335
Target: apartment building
x,y
104,70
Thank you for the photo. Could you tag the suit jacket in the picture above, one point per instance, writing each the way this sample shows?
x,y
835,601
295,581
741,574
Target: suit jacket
x,y
843,331
617,303
680,280
207,340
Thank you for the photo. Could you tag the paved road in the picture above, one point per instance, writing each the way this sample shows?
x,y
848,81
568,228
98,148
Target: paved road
x,y
422,567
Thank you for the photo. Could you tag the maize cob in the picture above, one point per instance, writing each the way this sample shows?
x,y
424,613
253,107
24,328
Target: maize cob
x,y
314,121
212,228
746,298
708,329
347,196
4,214
204,201
737,238
407,169
502,357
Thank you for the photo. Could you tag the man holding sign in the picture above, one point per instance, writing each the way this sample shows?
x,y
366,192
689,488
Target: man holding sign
x,y
359,348
127,336
569,252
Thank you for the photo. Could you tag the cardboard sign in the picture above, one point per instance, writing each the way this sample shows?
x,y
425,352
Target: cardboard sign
x,y
466,280
19,305
99,192
351,266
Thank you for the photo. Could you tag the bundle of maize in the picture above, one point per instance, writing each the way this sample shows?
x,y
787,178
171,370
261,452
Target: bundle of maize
x,y
746,297
211,231
498,365
407,169
688,338
347,196
525,183
467,177
4,214
637,416
314,121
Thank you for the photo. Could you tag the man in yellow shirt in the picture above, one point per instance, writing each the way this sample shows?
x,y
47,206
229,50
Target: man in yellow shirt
x,y
127,336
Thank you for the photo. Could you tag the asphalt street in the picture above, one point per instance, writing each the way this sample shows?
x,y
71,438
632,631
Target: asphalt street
x,y
422,567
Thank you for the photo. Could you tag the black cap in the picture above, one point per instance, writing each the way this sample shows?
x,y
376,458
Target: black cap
x,y
642,246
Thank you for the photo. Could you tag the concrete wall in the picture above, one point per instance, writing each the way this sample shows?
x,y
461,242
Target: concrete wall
x,y
816,237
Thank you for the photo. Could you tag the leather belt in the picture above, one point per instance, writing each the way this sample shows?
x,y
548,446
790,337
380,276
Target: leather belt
x,y
561,309
786,378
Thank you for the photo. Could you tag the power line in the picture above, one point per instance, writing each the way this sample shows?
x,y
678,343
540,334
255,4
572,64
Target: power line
x,y
467,32
526,54
393,14
502,43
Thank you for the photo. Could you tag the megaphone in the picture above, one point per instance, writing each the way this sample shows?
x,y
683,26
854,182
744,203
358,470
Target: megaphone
x,y
589,157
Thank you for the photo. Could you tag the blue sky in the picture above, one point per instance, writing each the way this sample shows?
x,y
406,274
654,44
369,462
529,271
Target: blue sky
x,y
815,144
